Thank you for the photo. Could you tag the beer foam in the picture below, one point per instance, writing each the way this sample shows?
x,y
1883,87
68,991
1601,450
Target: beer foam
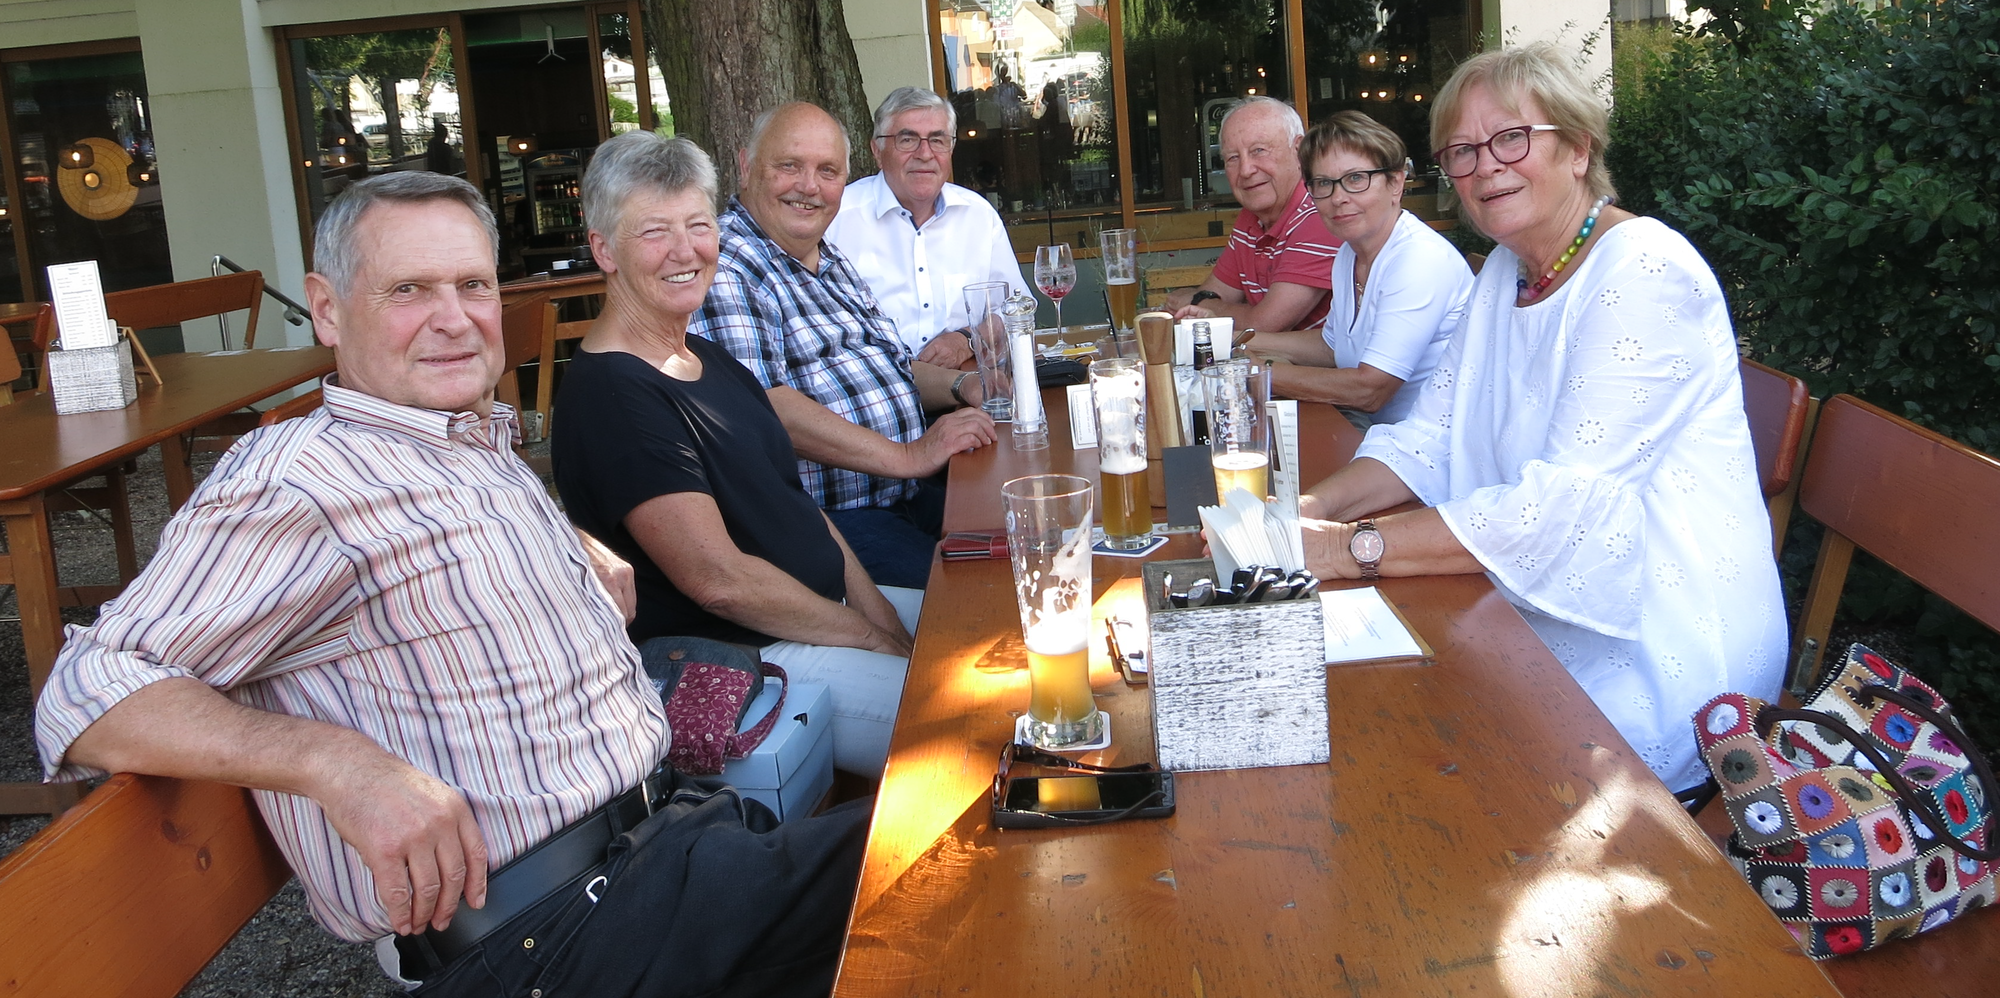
x,y
1058,639
1116,460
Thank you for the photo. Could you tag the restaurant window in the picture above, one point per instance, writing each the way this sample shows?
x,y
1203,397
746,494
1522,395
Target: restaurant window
x,y
374,102
1032,87
1185,64
87,188
1389,64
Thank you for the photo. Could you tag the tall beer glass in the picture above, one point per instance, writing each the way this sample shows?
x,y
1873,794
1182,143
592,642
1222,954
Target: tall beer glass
x,y
1119,387
1120,251
988,326
1237,429
1048,541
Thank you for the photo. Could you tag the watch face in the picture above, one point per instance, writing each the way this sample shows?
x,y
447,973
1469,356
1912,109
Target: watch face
x,y
1366,546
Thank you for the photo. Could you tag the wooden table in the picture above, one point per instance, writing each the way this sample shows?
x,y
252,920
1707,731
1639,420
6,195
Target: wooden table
x,y
1482,829
45,450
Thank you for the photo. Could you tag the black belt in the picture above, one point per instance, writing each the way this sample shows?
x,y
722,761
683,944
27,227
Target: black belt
x,y
569,859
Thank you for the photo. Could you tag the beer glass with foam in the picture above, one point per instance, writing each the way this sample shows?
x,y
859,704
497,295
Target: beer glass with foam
x,y
1120,253
1048,541
1119,388
1237,429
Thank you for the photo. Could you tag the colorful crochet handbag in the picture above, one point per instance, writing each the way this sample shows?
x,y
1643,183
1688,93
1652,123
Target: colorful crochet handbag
x,y
1861,818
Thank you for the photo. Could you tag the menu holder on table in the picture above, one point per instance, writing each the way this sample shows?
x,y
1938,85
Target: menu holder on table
x,y
1238,686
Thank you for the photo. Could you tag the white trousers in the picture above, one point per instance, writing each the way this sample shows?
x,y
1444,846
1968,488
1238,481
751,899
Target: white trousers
x,y
867,687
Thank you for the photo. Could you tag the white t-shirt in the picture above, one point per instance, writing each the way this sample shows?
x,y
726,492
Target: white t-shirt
x,y
919,276
1414,302
1590,449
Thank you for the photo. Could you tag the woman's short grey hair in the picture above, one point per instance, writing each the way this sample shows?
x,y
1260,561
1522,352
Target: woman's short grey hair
x,y
904,99
641,161
1294,127
1540,72
335,255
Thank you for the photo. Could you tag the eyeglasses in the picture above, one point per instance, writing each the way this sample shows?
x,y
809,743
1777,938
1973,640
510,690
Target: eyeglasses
x,y
1353,183
1508,146
907,141
1013,752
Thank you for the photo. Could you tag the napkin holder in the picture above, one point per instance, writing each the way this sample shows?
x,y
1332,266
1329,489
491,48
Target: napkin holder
x,y
1234,687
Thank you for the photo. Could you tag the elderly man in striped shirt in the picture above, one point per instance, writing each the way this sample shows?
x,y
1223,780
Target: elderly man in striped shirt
x,y
376,619
1277,271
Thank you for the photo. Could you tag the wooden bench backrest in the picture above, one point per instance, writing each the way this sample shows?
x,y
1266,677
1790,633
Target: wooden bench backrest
x,y
292,408
134,890
1926,505
1781,415
173,304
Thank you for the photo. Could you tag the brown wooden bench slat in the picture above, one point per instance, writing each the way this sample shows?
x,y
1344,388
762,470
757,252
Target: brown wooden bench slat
x,y
134,890
1781,415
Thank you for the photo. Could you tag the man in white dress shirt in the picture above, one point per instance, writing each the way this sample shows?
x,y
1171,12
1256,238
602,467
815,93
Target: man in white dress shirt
x,y
917,239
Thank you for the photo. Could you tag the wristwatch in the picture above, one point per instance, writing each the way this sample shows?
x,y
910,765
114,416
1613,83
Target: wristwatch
x,y
1202,296
1366,547
958,383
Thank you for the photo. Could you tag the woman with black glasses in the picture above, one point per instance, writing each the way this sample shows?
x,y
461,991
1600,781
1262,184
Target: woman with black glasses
x,y
1399,288
1583,441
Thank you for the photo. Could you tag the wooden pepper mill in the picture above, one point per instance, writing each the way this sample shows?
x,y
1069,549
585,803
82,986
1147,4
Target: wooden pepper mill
x,y
1163,401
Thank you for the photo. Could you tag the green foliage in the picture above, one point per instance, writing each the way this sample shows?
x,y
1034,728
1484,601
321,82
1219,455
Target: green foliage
x,y
621,109
1841,173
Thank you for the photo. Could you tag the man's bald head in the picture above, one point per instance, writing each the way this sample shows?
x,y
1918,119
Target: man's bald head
x,y
792,175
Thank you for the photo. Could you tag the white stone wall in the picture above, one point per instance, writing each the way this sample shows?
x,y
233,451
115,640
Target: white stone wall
x,y
892,44
1581,26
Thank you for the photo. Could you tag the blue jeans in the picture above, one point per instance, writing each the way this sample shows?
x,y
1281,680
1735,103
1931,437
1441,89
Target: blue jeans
x,y
896,543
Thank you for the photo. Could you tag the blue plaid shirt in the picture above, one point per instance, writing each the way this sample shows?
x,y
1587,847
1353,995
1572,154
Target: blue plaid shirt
x,y
821,334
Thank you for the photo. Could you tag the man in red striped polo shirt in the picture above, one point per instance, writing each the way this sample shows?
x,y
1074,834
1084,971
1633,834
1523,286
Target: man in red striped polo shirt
x,y
1278,267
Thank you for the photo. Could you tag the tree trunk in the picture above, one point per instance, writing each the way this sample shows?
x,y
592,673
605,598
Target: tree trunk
x,y
726,63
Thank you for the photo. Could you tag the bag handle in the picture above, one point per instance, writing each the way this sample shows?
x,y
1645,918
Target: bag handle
x,y
745,742
1918,800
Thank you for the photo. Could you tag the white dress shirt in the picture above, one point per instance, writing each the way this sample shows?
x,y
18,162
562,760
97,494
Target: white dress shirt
x,y
919,275
1590,449
1415,300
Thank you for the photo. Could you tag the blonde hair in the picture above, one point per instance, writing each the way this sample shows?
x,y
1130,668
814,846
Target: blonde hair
x,y
1537,72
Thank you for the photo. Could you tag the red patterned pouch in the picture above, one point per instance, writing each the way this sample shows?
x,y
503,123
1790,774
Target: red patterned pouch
x,y
705,709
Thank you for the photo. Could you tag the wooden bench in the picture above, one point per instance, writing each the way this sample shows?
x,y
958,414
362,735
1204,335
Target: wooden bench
x,y
1162,280
134,890
1929,507
1781,415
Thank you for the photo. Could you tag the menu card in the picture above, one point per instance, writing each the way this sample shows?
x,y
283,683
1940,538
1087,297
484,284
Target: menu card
x,y
1361,626
79,300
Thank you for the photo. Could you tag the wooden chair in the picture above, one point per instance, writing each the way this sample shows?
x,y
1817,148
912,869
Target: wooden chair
x,y
293,408
134,890
1162,280
183,301
1781,415
107,501
524,326
1926,506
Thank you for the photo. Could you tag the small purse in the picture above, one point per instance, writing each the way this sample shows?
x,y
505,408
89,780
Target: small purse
x,y
707,688
1862,817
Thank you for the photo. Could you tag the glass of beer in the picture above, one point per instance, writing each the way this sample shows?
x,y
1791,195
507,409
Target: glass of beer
x,y
988,326
1119,387
1048,541
1120,248
1237,429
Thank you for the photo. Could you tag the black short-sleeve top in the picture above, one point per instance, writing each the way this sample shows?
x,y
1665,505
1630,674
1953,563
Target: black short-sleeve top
x,y
628,433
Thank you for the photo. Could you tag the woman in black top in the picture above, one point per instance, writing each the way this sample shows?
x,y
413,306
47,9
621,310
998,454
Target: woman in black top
x,y
669,452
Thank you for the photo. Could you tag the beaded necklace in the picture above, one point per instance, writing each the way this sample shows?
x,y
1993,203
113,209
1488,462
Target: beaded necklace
x,y
1527,293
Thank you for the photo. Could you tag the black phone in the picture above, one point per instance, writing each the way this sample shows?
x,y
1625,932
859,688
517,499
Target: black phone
x,y
1059,801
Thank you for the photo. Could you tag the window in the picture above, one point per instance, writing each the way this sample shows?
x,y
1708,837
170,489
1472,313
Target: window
x,y
82,133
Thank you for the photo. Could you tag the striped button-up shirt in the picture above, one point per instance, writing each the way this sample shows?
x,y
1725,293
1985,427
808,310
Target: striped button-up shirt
x,y
1297,250
819,333
396,571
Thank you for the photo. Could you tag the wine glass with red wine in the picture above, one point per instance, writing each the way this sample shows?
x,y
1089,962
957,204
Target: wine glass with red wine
x,y
1055,275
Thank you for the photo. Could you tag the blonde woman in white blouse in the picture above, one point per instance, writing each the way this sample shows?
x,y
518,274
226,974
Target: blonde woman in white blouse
x,y
1582,442
1399,288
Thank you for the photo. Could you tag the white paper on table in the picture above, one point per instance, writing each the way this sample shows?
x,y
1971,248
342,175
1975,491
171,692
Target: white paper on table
x,y
1285,484
1361,627
1082,417
79,300
1245,531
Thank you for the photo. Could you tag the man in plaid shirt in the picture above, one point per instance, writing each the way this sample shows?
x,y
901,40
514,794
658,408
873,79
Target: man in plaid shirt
x,y
795,312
